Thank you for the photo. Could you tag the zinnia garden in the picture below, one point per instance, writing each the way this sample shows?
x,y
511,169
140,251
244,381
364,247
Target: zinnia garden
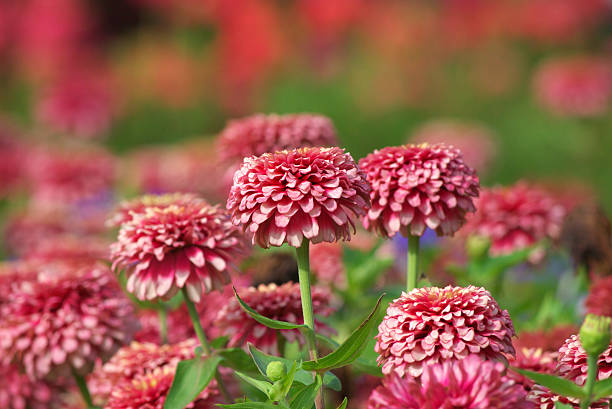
x,y
306,204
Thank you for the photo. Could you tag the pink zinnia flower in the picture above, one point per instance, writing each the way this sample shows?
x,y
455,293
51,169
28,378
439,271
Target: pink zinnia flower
x,y
277,302
18,391
187,244
515,217
83,250
580,86
418,186
600,293
259,134
428,325
149,391
65,318
572,361
468,384
532,359
287,196
543,398
326,264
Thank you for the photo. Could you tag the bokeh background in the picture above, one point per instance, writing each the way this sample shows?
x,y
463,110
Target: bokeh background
x,y
523,85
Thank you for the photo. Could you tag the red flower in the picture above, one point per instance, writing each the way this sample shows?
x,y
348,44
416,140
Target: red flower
x,y
18,391
287,196
598,300
428,325
259,134
187,244
572,361
65,318
468,384
277,302
418,186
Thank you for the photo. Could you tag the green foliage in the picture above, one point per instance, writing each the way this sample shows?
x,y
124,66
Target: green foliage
x,y
559,405
191,377
304,399
560,386
268,322
343,404
602,389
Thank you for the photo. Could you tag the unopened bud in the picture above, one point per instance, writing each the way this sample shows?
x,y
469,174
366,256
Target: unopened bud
x,y
595,334
276,371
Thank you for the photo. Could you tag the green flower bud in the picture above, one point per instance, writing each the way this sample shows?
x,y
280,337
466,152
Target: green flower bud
x,y
276,371
595,334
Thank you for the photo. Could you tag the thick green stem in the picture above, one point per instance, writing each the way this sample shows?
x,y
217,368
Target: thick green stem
x,y
412,265
590,381
304,276
163,323
82,384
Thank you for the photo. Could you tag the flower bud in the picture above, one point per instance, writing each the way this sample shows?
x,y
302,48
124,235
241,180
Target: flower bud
x,y
595,334
276,371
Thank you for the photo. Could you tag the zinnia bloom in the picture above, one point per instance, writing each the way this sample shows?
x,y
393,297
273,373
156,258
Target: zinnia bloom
x,y
65,318
277,302
572,361
326,264
428,325
259,134
126,210
515,217
287,196
598,300
419,186
532,359
578,86
18,391
186,244
468,384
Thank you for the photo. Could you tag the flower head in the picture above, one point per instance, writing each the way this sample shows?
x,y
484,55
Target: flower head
x,y
258,134
515,217
418,186
18,391
126,210
326,264
273,301
63,318
184,244
572,361
468,384
598,300
532,359
428,325
287,196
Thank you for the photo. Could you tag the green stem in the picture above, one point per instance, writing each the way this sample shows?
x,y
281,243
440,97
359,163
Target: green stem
x,y
412,265
82,384
304,276
590,381
163,323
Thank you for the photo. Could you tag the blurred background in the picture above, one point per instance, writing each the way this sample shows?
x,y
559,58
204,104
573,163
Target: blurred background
x,y
522,86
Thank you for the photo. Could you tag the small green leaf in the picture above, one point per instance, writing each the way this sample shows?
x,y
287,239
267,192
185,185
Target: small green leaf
x,y
559,405
190,379
219,342
559,386
288,381
268,322
350,349
251,405
305,398
263,386
343,404
237,359
602,389
361,364
331,381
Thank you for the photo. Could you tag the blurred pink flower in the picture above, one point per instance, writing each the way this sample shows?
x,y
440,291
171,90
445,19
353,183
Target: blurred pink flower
x,y
468,384
531,359
179,326
277,302
575,86
189,245
572,361
548,340
418,186
12,155
82,250
127,209
600,294
327,265
287,196
429,325
65,318
18,391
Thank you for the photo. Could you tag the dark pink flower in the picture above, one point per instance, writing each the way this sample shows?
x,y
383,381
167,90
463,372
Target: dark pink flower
x,y
259,134
287,196
543,398
428,325
532,359
69,247
326,264
418,186
468,384
572,361
277,302
600,293
18,391
580,86
187,244
65,318
515,217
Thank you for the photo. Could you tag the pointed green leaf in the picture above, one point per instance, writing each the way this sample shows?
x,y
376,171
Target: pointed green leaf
x,y
558,385
361,364
288,380
305,398
237,359
219,342
559,405
263,386
251,405
268,322
343,404
350,349
602,389
331,381
190,379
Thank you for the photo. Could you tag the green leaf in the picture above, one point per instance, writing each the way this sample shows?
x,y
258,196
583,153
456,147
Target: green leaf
x,y
559,386
288,380
602,389
350,349
361,364
305,398
343,404
331,381
268,322
190,379
237,359
263,386
559,405
251,405
220,342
